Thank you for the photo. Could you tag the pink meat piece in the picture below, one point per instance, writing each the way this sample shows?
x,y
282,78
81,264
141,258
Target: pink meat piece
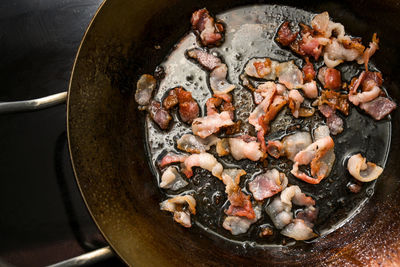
x,y
379,107
209,32
268,184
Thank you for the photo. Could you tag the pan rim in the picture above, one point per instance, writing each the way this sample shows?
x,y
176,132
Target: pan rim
x,y
77,56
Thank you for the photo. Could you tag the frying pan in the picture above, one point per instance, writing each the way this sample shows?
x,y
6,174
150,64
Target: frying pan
x,y
106,141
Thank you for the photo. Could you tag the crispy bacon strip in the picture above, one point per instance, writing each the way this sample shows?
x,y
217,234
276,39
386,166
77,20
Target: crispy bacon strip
x,y
269,90
370,51
277,104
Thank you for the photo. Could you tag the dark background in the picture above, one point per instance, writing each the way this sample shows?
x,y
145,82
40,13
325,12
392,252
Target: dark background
x,y
43,219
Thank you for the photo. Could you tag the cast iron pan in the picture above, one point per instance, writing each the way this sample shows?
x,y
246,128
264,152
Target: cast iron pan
x,y
106,139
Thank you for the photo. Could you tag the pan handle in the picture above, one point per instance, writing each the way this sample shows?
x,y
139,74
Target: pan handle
x,y
33,104
87,259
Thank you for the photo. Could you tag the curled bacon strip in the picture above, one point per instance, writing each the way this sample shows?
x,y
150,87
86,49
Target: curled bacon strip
x,y
312,155
176,206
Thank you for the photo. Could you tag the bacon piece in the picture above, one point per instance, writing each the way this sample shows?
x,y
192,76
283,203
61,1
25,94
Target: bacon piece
x,y
188,107
312,155
310,89
205,59
222,147
231,179
330,78
222,101
212,104
241,149
370,82
202,160
219,71
218,81
294,143
365,97
335,100
370,51
171,100
309,214
269,90
289,75
295,100
322,25
240,225
354,187
279,212
362,170
277,104
262,68
171,158
171,179
209,32
208,125
159,114
285,35
176,206
308,45
298,230
267,184
279,209
275,148
240,205
290,145
293,194
311,46
144,89
261,140
308,71
195,144
336,52
334,122
379,108
258,98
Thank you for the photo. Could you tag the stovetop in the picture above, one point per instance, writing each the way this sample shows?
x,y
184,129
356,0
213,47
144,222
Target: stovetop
x,y
43,217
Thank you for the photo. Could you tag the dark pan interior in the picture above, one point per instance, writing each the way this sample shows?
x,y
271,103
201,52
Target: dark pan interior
x,y
106,138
